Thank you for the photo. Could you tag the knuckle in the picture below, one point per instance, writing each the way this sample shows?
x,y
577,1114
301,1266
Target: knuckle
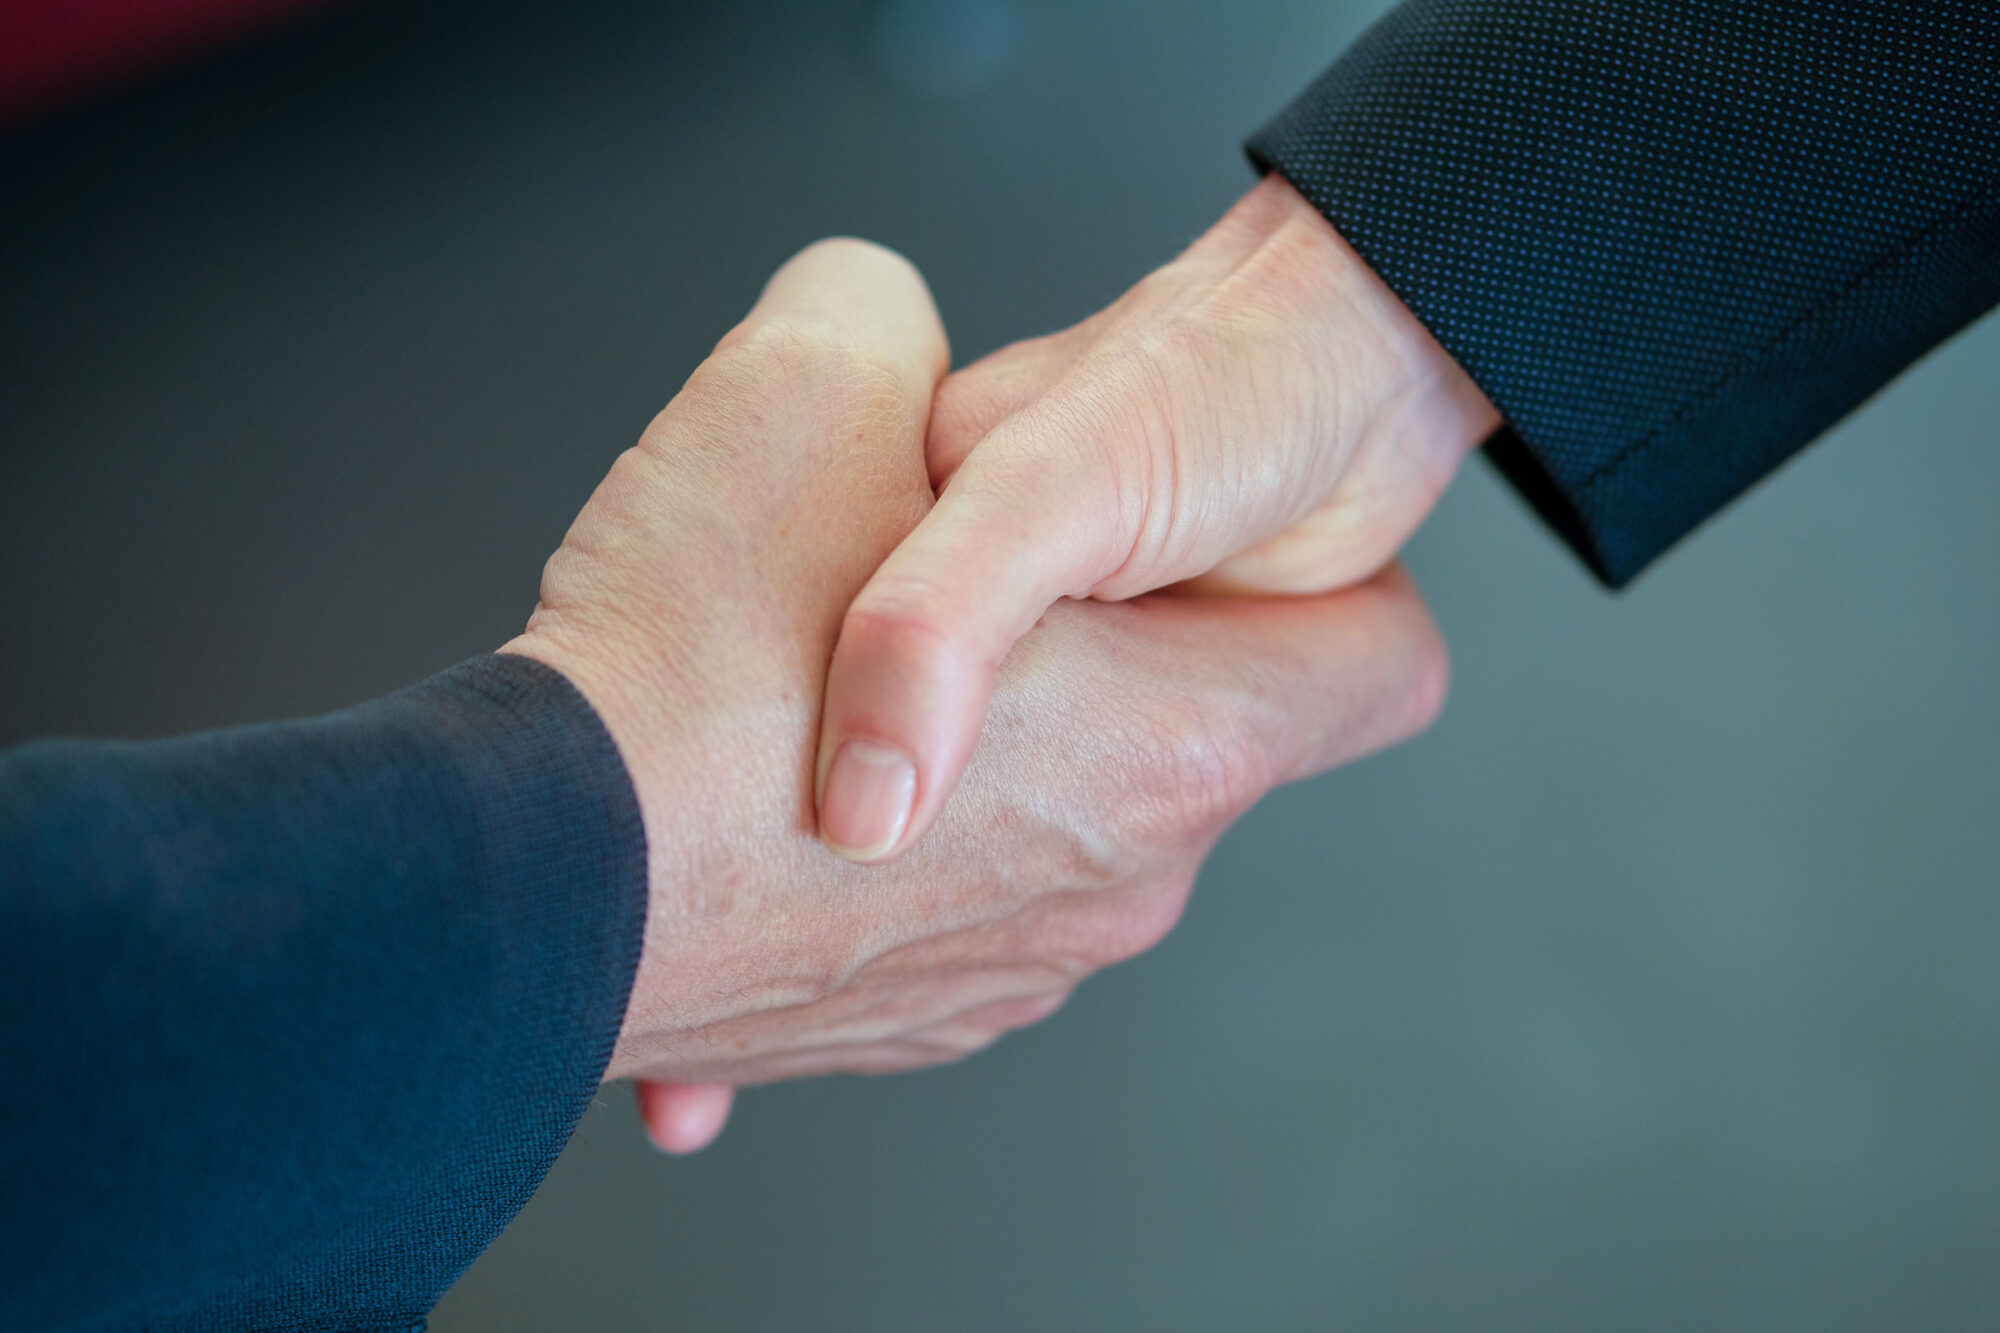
x,y
908,620
1113,930
1196,772
1142,927
857,248
1073,858
814,362
1167,347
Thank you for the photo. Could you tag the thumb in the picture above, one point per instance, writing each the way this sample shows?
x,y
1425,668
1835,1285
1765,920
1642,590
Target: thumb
x,y
972,402
1016,529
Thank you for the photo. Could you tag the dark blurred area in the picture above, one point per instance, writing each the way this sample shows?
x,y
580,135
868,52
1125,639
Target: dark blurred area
x,y
1658,987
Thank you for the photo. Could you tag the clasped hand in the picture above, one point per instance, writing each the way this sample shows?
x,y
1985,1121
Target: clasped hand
x,y
696,602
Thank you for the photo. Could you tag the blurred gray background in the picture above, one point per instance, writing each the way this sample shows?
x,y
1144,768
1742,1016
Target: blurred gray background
x,y
1658,987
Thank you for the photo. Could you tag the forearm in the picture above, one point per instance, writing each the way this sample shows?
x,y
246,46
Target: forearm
x,y
1671,242
300,1014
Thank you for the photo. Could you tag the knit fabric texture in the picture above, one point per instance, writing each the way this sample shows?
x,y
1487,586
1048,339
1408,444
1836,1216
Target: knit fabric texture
x,y
297,1016
1672,240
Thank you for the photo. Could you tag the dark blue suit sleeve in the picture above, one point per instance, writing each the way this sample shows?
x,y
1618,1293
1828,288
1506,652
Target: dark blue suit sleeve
x,y
294,1018
1673,240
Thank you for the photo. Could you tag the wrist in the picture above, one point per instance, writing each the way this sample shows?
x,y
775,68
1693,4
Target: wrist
x,y
1404,387
620,705
632,715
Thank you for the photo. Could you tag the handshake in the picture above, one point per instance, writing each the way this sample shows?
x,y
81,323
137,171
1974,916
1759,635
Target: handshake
x,y
935,690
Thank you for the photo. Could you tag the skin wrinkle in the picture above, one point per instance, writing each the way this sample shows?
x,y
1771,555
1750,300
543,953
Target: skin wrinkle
x,y
1269,285
1173,424
865,965
884,1025
891,1029
1123,738
969,406
877,1002
1160,455
1273,250
807,351
1176,356
1258,307
882,1016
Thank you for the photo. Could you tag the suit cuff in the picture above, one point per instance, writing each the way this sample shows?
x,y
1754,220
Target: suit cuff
x,y
1671,242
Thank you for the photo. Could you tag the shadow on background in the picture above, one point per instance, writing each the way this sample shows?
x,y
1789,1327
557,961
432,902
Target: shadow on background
x,y
1655,988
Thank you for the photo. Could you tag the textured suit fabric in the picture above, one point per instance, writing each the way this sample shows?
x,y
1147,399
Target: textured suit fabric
x,y
1673,240
297,1016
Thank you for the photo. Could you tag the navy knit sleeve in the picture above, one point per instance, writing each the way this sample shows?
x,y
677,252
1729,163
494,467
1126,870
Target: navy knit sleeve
x,y
1673,240
294,1018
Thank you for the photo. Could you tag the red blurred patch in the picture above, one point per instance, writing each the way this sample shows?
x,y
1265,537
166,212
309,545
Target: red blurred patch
x,y
55,51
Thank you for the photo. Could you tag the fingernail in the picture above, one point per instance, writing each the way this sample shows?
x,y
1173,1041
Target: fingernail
x,y
867,800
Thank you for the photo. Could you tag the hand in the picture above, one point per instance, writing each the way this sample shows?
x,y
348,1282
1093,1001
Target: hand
x,y
695,603
1262,411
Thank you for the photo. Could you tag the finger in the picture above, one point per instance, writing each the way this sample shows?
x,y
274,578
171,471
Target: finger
x,y
982,1025
682,1118
1184,711
913,668
1293,686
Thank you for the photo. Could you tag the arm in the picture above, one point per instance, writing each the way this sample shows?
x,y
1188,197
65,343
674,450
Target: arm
x,y
296,1017
1669,242
1673,243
